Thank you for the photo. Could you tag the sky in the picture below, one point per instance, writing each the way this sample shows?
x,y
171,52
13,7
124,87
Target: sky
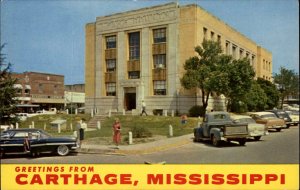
x,y
48,36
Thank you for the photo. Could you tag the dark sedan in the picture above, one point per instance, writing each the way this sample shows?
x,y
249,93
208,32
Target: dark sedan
x,y
35,141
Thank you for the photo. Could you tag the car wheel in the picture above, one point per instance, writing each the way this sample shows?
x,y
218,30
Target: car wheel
x,y
242,142
278,129
257,138
287,126
215,141
63,150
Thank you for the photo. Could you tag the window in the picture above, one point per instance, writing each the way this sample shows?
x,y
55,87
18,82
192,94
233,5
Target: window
x,y
111,89
204,33
159,35
219,38
111,42
227,46
212,35
134,74
234,51
241,53
159,61
134,45
159,87
40,88
110,65
55,89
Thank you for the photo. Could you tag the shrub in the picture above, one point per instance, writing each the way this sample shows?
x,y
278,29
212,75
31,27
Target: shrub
x,y
140,132
196,111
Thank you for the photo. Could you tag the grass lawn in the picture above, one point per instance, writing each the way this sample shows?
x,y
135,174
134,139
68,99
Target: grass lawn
x,y
149,126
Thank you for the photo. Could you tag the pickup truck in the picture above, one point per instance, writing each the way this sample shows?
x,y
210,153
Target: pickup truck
x,y
218,126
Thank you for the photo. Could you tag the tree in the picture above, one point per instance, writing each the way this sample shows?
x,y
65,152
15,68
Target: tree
x,y
240,75
271,92
7,91
204,71
288,83
256,99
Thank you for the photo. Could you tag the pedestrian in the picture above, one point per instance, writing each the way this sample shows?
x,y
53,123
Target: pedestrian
x,y
143,108
27,143
183,119
117,132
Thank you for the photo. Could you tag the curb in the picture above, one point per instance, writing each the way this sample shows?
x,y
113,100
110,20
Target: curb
x,y
121,152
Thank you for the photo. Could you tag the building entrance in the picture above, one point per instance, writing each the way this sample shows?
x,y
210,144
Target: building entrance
x,y
129,98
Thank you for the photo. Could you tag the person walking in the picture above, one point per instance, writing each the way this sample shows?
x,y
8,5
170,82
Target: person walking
x,y
143,108
117,132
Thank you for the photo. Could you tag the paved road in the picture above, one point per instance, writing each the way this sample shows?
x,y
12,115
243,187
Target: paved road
x,y
278,147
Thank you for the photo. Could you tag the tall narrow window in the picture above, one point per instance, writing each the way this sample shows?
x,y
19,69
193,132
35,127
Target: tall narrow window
x,y
204,33
111,89
159,87
212,35
111,42
134,45
110,65
159,61
234,47
227,47
159,35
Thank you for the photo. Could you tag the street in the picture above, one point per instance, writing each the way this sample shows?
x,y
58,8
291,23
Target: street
x,y
276,148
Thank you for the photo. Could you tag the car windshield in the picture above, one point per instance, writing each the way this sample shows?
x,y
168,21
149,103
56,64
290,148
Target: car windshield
x,y
282,114
268,116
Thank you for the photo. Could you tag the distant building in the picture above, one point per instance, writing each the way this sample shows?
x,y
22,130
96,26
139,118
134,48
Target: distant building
x,y
139,55
75,95
37,91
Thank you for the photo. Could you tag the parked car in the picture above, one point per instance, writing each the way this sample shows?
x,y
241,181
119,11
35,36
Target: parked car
x,y
269,119
255,130
218,126
285,116
35,141
294,115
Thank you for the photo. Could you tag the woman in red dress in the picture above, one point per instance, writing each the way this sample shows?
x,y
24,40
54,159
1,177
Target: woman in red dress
x,y
117,132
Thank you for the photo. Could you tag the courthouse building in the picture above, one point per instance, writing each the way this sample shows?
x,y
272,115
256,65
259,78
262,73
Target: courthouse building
x,y
139,55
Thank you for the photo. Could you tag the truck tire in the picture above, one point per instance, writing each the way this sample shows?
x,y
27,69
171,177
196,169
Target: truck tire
x,y
215,141
242,142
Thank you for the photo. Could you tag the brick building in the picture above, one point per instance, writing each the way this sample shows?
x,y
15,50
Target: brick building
x,y
37,91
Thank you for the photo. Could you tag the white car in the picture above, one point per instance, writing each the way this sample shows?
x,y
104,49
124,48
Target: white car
x,y
255,130
294,115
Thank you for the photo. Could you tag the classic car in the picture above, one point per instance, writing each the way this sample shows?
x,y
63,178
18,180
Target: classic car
x,y
294,115
218,126
255,130
35,141
285,116
269,119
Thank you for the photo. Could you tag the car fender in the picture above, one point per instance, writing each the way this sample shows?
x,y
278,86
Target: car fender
x,y
215,132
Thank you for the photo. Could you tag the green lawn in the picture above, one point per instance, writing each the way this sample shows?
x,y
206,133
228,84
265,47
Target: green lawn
x,y
149,125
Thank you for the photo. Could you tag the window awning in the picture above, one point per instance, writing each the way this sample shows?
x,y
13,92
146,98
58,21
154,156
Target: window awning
x,y
18,86
27,87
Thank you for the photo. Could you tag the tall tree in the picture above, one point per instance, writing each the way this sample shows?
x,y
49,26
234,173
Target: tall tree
x,y
7,91
256,99
203,70
241,76
288,83
271,92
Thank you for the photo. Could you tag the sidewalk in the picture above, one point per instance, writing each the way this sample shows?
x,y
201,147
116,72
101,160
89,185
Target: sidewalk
x,y
143,148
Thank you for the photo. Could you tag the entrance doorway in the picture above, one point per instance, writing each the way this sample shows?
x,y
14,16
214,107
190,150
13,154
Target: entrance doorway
x,y
129,98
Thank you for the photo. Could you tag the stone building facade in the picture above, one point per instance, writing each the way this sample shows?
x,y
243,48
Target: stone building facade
x,y
139,55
